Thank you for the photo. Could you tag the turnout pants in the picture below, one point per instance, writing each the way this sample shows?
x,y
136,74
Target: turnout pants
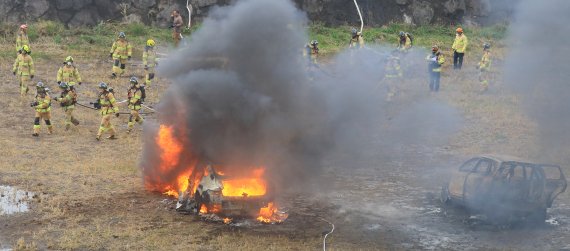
x,y
119,65
46,116
149,76
134,117
25,84
69,119
106,125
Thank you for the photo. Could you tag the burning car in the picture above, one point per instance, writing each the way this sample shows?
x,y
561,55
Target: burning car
x,y
505,188
234,197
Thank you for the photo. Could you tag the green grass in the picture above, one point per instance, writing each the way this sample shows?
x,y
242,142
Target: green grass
x,y
334,39
331,39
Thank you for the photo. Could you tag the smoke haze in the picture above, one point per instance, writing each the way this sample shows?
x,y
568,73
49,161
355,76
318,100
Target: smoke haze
x,y
537,67
242,96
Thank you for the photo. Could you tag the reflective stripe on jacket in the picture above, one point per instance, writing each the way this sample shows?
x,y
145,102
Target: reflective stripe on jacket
x,y
44,103
149,58
135,96
435,66
68,74
485,63
121,49
107,101
24,65
460,43
21,40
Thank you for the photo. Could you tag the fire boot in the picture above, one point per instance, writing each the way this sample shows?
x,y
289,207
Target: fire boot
x,y
75,121
67,127
112,137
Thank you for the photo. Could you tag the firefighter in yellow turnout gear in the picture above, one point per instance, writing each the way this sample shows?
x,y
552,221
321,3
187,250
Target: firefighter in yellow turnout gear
x,y
392,75
311,52
42,105
68,73
24,69
67,100
22,38
107,104
484,67
149,61
121,51
356,41
405,41
135,99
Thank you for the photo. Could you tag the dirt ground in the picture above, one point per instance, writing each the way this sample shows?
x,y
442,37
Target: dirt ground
x,y
90,194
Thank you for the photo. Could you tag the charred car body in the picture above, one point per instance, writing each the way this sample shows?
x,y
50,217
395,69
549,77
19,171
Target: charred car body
x,y
216,194
505,188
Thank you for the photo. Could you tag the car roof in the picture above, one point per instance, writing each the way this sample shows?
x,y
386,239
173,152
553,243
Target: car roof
x,y
506,158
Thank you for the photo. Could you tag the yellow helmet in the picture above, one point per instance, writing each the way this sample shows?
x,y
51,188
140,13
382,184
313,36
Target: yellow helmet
x,y
69,59
26,49
150,42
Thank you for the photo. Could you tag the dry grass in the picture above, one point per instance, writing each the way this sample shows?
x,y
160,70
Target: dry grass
x,y
91,194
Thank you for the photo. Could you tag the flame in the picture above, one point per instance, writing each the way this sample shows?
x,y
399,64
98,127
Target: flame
x,y
269,214
214,209
203,209
227,220
255,186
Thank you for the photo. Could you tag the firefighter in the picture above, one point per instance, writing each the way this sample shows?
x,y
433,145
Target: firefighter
x,y
356,41
435,61
68,73
176,26
42,105
24,69
67,100
107,104
459,47
311,52
121,51
149,61
22,38
405,41
484,67
135,100
392,74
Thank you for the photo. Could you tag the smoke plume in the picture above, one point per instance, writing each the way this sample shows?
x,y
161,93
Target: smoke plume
x,y
537,67
242,96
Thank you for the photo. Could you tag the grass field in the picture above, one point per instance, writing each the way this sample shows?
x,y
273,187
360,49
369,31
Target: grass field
x,y
90,194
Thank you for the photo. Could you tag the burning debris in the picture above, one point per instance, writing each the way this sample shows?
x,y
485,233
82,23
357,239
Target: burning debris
x,y
232,197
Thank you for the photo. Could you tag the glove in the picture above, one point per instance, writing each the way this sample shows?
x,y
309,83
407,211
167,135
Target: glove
x,y
434,59
31,76
146,67
117,114
33,104
111,55
129,58
55,98
79,83
58,82
171,26
14,73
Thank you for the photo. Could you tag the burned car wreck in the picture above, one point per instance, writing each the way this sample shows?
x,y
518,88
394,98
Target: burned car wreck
x,y
505,188
229,196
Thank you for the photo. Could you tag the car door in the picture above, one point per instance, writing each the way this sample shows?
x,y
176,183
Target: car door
x,y
457,181
477,182
555,182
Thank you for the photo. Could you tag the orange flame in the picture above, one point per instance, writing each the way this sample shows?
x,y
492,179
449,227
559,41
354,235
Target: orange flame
x,y
227,220
269,214
255,186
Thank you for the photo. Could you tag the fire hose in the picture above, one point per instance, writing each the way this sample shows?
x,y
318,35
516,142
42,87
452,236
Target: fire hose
x,y
124,113
327,234
360,15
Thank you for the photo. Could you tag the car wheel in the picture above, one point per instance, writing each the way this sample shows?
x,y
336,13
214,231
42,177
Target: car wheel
x,y
444,197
